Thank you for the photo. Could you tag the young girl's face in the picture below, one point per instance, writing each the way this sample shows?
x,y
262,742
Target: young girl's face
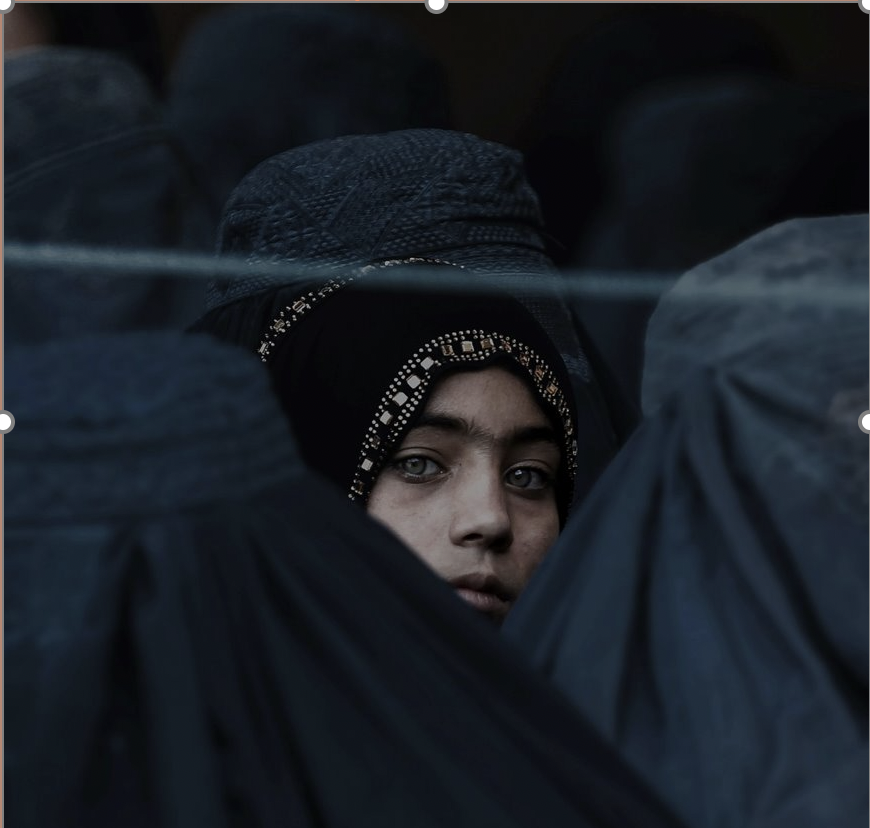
x,y
471,489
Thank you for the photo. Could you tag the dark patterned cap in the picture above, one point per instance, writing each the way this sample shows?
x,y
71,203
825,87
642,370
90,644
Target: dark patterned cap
x,y
424,193
370,198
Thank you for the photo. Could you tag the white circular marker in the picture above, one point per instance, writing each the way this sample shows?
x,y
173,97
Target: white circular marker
x,y
865,5
7,422
5,5
434,6
864,422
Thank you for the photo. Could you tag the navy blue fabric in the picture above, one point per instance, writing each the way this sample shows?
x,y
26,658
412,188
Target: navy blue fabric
x,y
362,199
200,632
87,161
707,607
114,434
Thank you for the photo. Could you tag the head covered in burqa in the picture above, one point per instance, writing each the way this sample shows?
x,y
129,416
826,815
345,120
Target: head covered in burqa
x,y
706,608
256,79
87,161
200,631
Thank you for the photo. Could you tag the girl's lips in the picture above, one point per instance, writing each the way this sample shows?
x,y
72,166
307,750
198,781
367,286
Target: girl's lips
x,y
486,602
485,593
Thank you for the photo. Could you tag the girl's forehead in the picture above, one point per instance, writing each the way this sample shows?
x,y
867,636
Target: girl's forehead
x,y
484,389
490,404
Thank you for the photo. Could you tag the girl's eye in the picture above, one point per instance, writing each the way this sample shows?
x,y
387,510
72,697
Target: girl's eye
x,y
418,467
528,477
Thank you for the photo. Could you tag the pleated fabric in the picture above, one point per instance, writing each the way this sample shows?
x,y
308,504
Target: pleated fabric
x,y
707,608
199,631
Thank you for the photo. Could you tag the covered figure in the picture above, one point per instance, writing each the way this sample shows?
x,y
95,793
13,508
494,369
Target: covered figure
x,y
199,631
88,161
257,79
707,608
450,415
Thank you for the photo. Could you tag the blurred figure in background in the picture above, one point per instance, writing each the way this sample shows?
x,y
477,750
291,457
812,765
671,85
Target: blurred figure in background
x,y
128,30
87,161
257,79
568,134
695,166
669,134
698,165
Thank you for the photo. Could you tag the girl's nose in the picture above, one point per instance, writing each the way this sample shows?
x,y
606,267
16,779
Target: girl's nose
x,y
481,517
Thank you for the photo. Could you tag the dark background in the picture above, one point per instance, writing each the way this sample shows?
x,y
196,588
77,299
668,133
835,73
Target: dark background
x,y
498,56
554,80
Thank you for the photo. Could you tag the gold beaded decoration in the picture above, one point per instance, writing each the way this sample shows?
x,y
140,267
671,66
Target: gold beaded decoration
x,y
291,314
302,305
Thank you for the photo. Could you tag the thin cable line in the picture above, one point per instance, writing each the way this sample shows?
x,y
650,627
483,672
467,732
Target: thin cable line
x,y
568,284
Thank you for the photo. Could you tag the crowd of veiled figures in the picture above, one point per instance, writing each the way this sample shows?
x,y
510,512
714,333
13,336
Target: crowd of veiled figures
x,y
370,472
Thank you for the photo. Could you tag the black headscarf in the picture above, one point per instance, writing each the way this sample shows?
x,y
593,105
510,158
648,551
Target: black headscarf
x,y
200,632
707,609
418,194
353,367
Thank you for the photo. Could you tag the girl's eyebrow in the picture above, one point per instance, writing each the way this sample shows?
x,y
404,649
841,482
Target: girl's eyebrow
x,y
522,435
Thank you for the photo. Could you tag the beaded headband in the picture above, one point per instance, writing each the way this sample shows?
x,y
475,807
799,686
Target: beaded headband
x,y
411,384
291,314
413,381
